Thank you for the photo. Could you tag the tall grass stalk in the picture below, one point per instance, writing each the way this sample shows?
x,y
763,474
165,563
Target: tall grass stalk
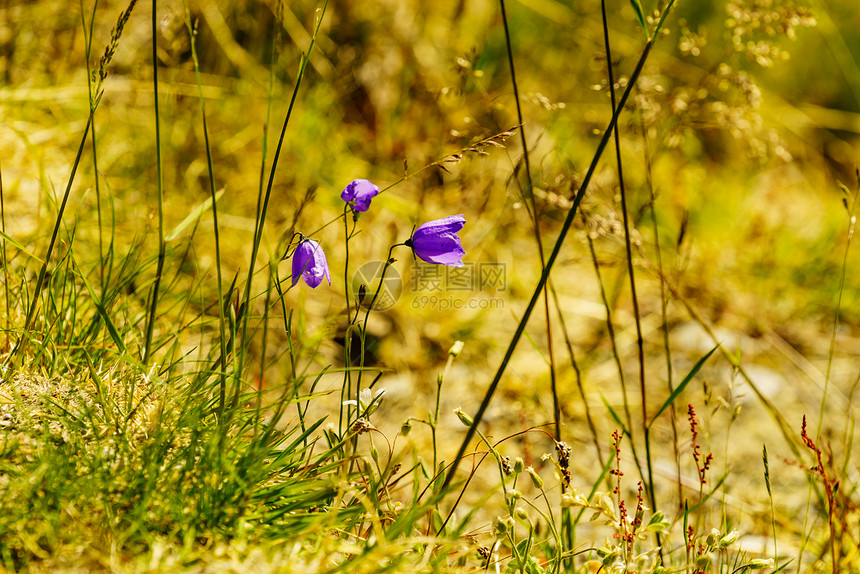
x,y
851,208
852,219
263,206
5,261
222,320
770,498
578,374
162,243
88,41
532,209
571,214
40,281
529,197
264,336
626,424
637,317
610,330
664,304
158,448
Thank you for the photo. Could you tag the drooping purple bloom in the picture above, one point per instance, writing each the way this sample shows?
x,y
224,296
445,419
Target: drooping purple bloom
x,y
359,192
309,263
437,241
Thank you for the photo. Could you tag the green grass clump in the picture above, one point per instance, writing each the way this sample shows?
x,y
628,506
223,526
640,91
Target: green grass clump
x,y
646,363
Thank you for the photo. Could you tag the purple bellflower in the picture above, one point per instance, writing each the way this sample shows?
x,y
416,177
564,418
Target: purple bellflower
x,y
309,263
437,241
359,193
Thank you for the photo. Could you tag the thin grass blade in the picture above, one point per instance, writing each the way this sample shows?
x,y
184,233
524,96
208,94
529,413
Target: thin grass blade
x,y
615,416
683,384
112,330
640,16
21,248
192,217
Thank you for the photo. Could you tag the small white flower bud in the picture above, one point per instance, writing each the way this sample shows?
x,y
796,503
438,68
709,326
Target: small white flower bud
x,y
406,428
760,564
464,418
519,465
713,536
729,539
536,479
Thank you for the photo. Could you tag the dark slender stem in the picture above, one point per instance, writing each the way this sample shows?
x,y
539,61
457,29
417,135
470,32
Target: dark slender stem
x,y
517,97
664,307
529,196
630,273
567,523
159,269
578,372
568,222
98,207
610,328
88,34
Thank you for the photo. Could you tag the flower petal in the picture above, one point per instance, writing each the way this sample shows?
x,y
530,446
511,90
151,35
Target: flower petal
x,y
309,263
437,241
359,192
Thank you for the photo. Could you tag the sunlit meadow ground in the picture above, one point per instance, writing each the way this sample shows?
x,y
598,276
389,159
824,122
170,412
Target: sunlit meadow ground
x,y
743,125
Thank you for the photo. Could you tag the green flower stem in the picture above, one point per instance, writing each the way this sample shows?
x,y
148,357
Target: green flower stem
x,y
388,263
346,388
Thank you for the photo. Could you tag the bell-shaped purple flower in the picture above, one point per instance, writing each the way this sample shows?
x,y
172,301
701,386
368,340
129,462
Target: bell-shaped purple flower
x,y
359,192
309,263
437,241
